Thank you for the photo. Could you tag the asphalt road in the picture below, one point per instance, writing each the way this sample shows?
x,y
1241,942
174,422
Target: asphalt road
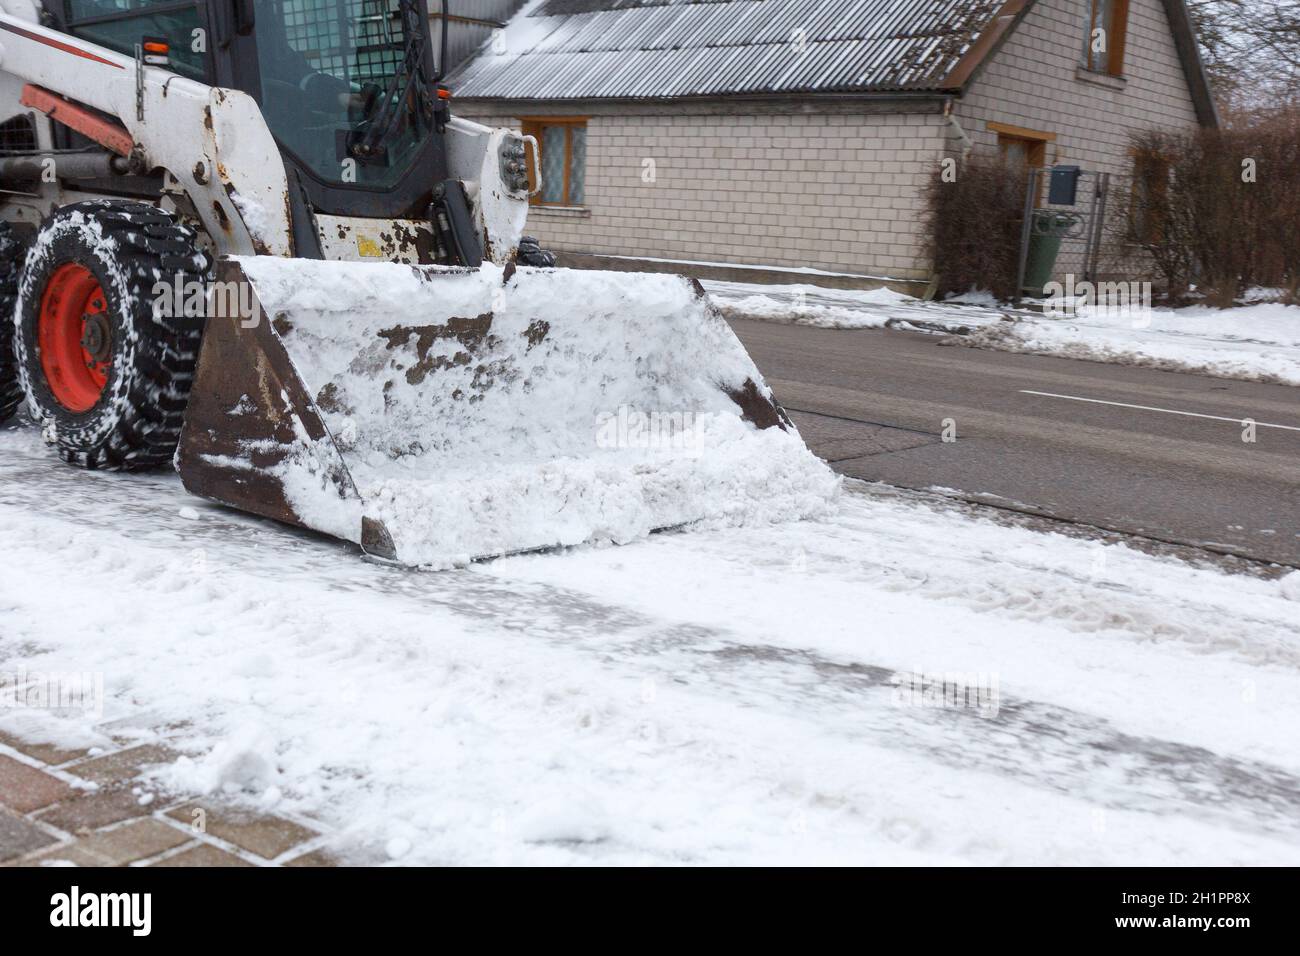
x,y
1056,437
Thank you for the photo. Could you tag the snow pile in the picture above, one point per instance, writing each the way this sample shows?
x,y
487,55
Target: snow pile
x,y
1255,342
843,308
479,416
806,304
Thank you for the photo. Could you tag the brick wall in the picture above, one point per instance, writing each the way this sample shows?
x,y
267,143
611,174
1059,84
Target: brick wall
x,y
832,190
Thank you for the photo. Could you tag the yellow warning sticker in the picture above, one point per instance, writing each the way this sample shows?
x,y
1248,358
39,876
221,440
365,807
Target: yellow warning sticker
x,y
369,248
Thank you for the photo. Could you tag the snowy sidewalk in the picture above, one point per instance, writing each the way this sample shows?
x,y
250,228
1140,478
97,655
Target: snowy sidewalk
x,y
1255,342
742,696
91,807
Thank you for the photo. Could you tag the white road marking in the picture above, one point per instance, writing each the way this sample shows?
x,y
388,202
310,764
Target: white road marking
x,y
1167,411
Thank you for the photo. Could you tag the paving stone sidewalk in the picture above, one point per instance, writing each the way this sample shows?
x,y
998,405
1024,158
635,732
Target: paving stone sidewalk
x,y
83,808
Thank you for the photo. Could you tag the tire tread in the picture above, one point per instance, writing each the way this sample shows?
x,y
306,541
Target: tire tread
x,y
12,253
149,243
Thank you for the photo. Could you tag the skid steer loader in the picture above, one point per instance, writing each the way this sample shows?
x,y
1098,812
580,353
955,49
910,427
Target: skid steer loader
x,y
247,236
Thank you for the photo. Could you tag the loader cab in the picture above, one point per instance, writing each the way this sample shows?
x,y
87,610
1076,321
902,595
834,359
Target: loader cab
x,y
347,87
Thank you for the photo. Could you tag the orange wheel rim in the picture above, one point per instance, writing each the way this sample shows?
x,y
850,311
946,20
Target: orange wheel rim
x,y
75,337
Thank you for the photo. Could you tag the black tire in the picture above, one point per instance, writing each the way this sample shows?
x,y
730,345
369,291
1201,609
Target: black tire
x,y
12,252
149,355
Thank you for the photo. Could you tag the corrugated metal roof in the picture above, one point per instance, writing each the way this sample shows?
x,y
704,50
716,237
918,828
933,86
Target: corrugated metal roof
x,y
639,49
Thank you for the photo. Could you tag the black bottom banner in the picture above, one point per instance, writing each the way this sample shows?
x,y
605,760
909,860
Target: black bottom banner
x,y
206,907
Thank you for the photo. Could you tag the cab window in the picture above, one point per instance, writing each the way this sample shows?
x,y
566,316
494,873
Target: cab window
x,y
121,24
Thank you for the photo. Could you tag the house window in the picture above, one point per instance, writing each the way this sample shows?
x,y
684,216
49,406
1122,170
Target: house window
x,y
1107,31
121,24
563,145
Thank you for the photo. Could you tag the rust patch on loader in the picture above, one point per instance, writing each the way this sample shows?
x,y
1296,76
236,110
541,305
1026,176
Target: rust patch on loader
x,y
757,409
329,399
536,333
222,219
470,333
419,242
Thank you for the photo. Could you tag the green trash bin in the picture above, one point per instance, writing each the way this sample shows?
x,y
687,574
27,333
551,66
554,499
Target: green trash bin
x,y
1047,229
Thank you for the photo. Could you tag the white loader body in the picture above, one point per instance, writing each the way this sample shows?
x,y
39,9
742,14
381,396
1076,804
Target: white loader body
x,y
218,152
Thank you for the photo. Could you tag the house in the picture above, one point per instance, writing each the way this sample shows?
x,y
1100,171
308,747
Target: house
x,y
780,134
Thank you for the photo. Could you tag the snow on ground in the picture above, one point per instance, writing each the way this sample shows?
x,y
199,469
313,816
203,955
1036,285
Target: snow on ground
x,y
1258,342
1254,342
721,696
806,304
841,308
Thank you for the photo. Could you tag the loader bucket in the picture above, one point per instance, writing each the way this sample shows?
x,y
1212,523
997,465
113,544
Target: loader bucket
x,y
436,415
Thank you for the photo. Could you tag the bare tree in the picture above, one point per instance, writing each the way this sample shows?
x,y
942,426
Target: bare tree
x,y
1220,207
1251,50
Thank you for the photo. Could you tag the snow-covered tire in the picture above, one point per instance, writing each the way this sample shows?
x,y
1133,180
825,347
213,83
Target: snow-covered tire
x,y
107,374
12,251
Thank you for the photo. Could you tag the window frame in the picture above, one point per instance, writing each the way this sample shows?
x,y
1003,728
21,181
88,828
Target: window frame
x,y
1037,140
532,126
1116,37
1035,152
